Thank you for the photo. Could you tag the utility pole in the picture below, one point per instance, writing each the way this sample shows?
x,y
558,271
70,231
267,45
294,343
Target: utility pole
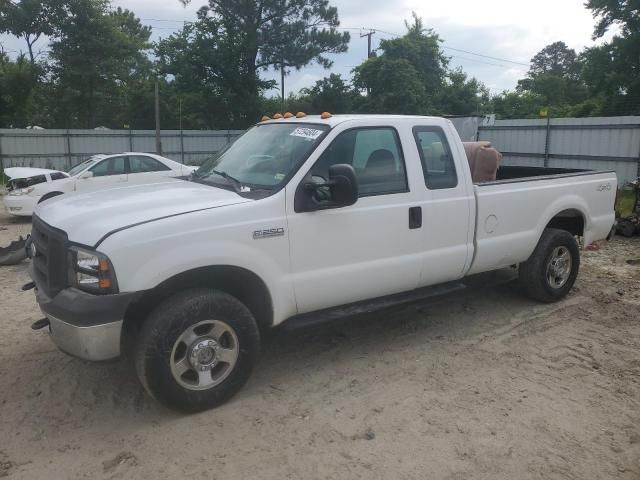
x,y
368,35
158,141
282,83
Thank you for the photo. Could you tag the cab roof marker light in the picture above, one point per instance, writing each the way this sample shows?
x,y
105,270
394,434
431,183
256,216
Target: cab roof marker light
x,y
277,116
265,118
288,115
301,115
325,115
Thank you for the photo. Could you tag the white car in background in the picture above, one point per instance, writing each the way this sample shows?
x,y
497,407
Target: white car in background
x,y
29,186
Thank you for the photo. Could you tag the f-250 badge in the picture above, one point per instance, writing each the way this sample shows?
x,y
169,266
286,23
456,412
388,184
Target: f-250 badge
x,y
269,232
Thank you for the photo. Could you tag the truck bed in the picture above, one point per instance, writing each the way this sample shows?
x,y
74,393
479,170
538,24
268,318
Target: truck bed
x,y
511,174
513,210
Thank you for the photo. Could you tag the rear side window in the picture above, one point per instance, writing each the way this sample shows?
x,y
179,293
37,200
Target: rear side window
x,y
109,166
375,155
437,162
146,164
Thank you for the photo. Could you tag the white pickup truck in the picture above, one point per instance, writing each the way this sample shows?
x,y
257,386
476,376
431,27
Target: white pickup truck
x,y
300,219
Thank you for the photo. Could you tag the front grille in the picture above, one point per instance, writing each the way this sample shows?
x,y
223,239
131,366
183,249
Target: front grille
x,y
50,260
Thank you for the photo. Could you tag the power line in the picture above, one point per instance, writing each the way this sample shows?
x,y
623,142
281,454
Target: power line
x,y
468,52
371,31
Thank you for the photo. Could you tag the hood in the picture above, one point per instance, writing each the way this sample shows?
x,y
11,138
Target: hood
x,y
87,217
26,172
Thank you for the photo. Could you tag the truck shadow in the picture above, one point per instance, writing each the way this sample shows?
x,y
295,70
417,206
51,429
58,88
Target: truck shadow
x,y
52,384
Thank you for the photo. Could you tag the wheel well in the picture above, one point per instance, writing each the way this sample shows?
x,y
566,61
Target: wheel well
x,y
246,286
570,220
49,195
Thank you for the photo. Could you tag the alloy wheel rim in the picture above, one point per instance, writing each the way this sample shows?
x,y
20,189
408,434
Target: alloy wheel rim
x,y
204,355
559,267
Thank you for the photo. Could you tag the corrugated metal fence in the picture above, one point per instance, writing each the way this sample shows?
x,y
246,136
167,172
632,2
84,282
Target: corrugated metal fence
x,y
61,149
598,143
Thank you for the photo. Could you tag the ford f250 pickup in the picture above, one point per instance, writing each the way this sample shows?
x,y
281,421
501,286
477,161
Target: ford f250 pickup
x,y
300,218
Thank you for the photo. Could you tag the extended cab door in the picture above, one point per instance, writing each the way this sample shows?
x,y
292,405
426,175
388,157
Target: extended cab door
x,y
448,203
107,173
365,250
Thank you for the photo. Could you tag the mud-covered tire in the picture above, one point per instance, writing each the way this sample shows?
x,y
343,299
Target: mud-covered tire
x,y
162,336
537,274
49,195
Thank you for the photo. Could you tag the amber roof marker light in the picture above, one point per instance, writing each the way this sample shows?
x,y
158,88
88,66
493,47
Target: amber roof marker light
x,y
288,115
277,116
325,115
265,118
301,115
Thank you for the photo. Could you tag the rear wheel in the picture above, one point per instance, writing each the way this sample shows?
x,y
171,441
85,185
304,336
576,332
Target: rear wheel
x,y
551,271
197,349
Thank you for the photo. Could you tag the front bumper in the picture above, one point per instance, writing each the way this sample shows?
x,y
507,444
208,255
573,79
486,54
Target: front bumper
x,y
85,325
95,343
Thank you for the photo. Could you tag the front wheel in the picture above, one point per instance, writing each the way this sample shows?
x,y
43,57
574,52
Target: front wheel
x,y
552,268
197,349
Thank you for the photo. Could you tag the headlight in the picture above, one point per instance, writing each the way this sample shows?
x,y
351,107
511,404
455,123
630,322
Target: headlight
x,y
21,191
91,271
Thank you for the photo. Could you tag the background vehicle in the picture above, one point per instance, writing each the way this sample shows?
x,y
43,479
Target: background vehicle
x,y
29,186
298,220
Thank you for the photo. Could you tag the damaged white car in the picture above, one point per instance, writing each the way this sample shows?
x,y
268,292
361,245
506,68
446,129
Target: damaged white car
x,y
29,186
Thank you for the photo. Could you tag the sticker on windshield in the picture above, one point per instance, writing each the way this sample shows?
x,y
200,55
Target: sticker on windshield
x,y
308,133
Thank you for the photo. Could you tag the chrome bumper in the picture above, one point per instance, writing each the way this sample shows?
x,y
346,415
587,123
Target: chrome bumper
x,y
95,343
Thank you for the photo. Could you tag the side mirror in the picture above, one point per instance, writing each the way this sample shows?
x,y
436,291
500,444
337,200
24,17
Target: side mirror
x,y
87,174
341,190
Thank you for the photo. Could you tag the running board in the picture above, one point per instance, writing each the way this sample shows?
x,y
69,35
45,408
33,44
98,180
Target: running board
x,y
310,319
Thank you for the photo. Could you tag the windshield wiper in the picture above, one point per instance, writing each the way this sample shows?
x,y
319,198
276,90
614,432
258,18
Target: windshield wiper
x,y
237,184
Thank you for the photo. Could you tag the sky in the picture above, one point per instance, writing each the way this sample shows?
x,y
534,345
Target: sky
x,y
510,31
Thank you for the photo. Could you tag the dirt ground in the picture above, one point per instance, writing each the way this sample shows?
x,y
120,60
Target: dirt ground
x,y
480,384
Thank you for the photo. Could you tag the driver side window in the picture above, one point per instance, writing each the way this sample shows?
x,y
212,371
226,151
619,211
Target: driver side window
x,y
376,156
109,166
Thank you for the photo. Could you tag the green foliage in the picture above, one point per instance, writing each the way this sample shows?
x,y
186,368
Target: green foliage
x,y
102,70
96,59
30,19
330,94
219,57
518,105
16,91
612,70
555,76
463,96
406,76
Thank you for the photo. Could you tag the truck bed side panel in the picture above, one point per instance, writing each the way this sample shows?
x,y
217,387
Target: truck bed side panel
x,y
512,215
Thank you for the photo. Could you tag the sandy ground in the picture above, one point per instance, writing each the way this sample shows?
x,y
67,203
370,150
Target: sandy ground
x,y
482,384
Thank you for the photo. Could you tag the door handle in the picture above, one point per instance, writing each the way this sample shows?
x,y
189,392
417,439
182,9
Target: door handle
x,y
415,217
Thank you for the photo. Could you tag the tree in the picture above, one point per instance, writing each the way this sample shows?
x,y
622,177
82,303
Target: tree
x,y
16,91
612,70
406,76
96,55
461,95
518,105
231,42
30,20
555,59
330,94
555,76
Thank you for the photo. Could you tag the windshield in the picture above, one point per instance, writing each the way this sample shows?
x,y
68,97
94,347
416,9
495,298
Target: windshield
x,y
81,166
264,156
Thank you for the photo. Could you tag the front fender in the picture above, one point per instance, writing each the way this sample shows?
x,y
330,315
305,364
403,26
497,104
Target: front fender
x,y
146,255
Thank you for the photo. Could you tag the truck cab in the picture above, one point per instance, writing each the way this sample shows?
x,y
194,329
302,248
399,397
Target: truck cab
x,y
301,216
